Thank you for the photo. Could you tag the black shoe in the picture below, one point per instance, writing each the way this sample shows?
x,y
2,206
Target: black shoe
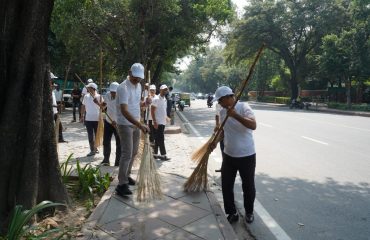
x,y
156,156
104,163
123,190
233,218
249,218
92,153
96,151
218,170
116,164
62,141
164,158
131,181
73,121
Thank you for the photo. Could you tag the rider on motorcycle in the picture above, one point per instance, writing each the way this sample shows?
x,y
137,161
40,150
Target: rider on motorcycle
x,y
209,100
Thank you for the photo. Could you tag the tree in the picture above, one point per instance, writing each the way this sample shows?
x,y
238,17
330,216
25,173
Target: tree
x,y
29,164
290,28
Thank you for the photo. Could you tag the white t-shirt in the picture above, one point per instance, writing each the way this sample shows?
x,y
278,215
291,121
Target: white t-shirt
x,y
84,91
218,109
160,104
58,95
130,94
54,101
111,107
92,109
238,139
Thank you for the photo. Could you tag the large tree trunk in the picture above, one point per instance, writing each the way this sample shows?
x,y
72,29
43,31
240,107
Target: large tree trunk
x,y
29,166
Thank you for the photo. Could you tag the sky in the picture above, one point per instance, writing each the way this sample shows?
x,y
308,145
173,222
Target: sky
x,y
185,61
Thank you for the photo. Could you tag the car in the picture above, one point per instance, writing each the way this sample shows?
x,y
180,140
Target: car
x,y
200,96
193,96
67,97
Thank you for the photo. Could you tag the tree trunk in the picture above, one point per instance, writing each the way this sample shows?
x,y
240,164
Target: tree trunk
x,y
348,93
157,72
294,83
29,164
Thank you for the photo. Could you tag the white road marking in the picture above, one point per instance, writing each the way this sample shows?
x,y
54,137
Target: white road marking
x,y
335,124
272,225
264,124
314,140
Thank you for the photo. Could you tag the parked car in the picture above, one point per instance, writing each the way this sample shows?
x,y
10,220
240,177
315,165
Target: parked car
x,y
200,96
67,97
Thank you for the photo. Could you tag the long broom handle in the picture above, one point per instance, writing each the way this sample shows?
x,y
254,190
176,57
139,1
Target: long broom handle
x,y
244,84
106,114
148,108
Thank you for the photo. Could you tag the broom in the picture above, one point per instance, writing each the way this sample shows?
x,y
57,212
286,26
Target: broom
x,y
198,181
149,184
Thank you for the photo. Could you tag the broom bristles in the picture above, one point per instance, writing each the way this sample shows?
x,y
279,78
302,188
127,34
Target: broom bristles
x,y
198,181
149,183
199,153
99,132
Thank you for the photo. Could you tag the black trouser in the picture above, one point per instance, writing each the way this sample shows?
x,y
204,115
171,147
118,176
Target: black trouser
x,y
60,127
159,140
152,130
246,167
78,105
109,130
92,128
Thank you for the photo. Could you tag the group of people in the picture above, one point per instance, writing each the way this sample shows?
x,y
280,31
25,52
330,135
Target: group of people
x,y
123,106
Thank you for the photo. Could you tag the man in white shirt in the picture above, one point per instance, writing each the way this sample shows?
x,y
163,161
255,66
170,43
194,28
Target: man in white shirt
x,y
159,114
239,152
129,104
55,110
110,125
58,96
91,110
152,89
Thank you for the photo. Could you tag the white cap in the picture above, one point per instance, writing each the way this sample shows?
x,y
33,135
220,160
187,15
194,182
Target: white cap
x,y
137,70
222,92
90,80
152,87
113,86
52,76
92,85
164,86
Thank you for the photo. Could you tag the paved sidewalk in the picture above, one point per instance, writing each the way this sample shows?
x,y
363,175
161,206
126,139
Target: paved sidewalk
x,y
178,215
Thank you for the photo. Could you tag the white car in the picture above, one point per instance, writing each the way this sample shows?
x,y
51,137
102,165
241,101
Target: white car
x,y
67,97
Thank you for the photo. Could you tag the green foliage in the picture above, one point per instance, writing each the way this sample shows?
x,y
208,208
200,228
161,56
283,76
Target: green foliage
x,y
354,107
282,100
66,169
91,180
20,218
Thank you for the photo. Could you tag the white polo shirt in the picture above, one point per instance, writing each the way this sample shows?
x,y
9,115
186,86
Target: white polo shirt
x,y
54,102
92,109
111,107
130,94
58,95
160,104
238,139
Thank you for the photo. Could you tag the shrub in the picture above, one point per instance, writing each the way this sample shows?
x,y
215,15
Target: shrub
x,y
282,100
355,107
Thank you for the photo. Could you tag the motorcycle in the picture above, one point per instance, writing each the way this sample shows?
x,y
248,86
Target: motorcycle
x,y
181,105
209,101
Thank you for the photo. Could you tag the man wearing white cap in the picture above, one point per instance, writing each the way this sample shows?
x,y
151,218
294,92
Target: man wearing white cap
x,y
84,92
239,152
159,115
152,89
90,115
110,125
129,104
55,109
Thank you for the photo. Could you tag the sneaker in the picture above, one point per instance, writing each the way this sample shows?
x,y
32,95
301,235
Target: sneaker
x,y
164,158
156,156
62,141
233,218
123,190
249,218
104,163
92,153
131,181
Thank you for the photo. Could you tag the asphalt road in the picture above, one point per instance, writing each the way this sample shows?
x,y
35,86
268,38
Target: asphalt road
x,y
312,174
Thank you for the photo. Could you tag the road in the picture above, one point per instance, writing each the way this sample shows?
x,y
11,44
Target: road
x,y
312,174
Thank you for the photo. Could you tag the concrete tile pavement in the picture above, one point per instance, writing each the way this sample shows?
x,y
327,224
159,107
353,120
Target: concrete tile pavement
x,y
178,215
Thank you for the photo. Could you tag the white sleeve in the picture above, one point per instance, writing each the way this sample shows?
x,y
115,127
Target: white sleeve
x,y
123,95
247,111
84,100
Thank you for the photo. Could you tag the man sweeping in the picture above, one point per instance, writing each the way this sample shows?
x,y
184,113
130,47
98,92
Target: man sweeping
x,y
239,152
159,115
110,125
129,126
90,109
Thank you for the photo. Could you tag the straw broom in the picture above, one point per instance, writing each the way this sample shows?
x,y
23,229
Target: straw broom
x,y
149,183
198,181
